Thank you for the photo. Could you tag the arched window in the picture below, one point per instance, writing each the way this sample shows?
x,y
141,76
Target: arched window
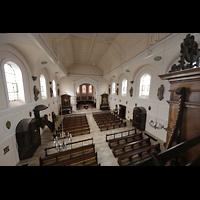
x,y
145,85
78,90
14,82
54,88
43,87
90,88
124,87
113,88
83,88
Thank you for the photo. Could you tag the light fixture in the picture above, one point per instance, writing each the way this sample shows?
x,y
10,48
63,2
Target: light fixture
x,y
65,142
106,41
157,58
44,62
156,125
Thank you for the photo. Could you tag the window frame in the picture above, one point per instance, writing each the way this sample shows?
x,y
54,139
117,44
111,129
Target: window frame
x,y
45,87
19,80
85,89
54,88
124,94
143,87
89,89
113,90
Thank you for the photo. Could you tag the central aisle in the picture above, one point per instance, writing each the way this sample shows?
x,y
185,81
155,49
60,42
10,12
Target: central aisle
x,y
104,153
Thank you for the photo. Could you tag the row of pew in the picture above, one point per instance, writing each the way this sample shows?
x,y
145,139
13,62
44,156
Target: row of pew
x,y
129,147
78,153
75,124
107,121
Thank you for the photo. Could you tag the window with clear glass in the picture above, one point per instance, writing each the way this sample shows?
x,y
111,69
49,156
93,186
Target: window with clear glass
x,y
113,88
11,81
124,87
90,88
145,85
54,88
43,87
83,88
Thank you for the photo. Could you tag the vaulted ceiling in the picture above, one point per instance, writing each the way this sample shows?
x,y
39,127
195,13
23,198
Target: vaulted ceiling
x,y
103,50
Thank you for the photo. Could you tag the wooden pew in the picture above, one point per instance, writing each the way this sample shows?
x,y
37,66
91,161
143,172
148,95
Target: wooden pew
x,y
115,142
73,133
122,149
74,124
86,160
122,133
66,155
127,159
72,145
107,121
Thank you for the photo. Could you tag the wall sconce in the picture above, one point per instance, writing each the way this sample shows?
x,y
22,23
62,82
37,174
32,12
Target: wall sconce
x,y
156,125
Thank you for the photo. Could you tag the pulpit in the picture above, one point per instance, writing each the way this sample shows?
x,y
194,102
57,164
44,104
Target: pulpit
x,y
190,126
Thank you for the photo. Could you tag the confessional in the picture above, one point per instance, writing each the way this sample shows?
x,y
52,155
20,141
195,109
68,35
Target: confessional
x,y
28,132
66,107
104,102
139,118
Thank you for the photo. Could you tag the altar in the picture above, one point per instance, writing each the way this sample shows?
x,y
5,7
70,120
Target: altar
x,y
86,106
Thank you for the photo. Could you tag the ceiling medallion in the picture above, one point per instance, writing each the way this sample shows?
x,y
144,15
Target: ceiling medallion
x,y
157,58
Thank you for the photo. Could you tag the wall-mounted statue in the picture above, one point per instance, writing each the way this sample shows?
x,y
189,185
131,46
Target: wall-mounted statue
x,y
190,53
36,93
58,90
117,90
160,93
51,92
131,92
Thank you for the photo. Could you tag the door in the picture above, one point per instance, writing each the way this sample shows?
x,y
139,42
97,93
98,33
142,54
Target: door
x,y
122,111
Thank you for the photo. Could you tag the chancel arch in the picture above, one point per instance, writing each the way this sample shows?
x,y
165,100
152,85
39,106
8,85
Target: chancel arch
x,y
87,81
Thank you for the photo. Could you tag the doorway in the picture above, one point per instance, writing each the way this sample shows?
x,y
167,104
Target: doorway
x,y
122,111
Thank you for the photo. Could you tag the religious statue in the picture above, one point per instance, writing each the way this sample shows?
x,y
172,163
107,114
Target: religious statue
x,y
36,93
190,53
131,91
117,90
51,92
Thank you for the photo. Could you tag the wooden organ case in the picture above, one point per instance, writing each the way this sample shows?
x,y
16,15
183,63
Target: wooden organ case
x,y
28,137
104,102
190,125
66,105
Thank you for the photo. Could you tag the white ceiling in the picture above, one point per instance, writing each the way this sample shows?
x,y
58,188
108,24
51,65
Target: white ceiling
x,y
106,51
